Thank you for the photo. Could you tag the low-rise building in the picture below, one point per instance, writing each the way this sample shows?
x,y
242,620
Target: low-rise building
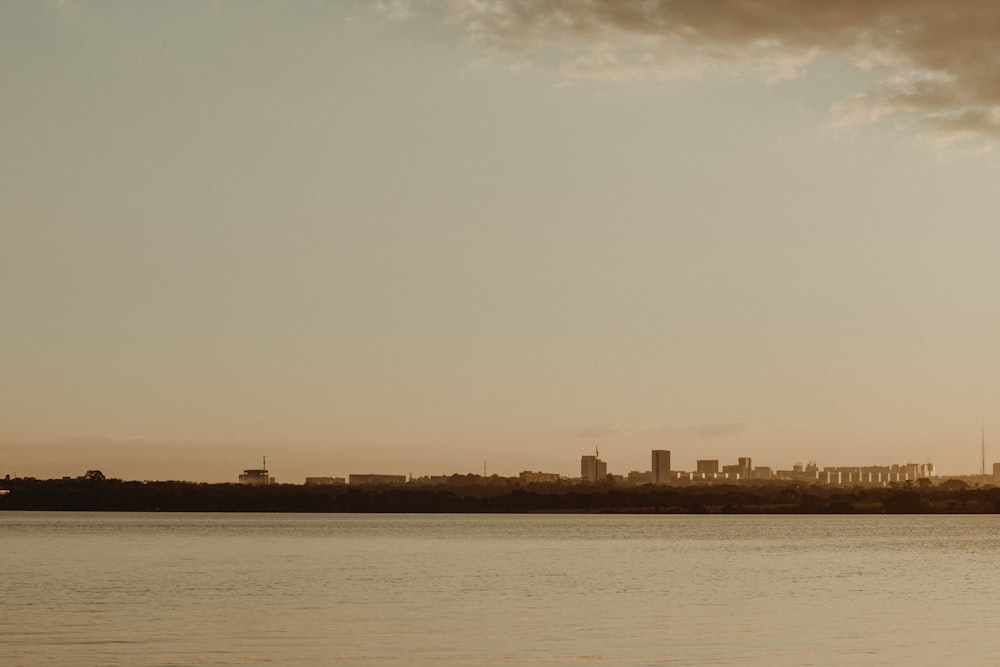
x,y
376,479
529,477
707,467
256,477
324,481
648,477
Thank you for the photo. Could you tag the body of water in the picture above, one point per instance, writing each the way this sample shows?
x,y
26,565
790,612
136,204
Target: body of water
x,y
82,589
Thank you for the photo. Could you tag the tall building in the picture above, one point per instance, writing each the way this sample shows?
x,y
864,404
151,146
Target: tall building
x,y
746,467
592,469
661,466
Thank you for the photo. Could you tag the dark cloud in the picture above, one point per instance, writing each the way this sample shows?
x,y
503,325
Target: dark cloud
x,y
937,62
721,430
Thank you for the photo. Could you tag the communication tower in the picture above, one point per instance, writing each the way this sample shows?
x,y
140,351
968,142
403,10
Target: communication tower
x,y
982,452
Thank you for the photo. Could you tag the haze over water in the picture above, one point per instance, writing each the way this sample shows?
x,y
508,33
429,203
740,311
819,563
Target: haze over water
x,y
89,590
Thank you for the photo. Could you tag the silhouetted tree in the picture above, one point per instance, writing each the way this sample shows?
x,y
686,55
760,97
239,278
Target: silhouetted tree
x,y
904,502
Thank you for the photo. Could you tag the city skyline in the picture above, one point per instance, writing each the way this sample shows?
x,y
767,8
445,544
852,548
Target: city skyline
x,y
423,235
592,468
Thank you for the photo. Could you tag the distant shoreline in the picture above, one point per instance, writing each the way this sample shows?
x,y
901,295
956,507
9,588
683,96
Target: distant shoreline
x,y
771,498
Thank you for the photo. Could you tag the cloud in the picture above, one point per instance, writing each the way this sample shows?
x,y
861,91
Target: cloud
x,y
394,10
721,430
936,62
609,430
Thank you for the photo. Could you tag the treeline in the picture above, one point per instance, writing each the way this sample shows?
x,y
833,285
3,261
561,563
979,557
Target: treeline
x,y
98,494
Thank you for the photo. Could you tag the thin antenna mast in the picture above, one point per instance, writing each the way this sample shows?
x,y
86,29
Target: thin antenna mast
x,y
982,461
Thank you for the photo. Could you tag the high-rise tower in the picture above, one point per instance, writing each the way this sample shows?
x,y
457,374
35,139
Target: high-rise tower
x,y
592,469
661,466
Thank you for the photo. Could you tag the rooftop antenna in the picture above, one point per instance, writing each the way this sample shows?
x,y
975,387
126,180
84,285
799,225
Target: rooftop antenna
x,y
484,467
265,463
982,460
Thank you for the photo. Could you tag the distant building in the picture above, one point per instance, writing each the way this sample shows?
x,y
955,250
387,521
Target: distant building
x,y
376,479
707,467
661,466
799,473
592,468
529,477
256,477
429,480
996,471
733,472
253,477
637,477
324,481
740,471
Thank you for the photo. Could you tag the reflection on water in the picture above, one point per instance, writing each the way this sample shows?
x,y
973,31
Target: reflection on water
x,y
229,589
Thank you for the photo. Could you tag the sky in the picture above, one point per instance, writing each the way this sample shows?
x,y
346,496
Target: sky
x,y
432,237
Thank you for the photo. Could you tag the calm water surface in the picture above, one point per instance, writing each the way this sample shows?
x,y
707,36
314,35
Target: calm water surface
x,y
228,589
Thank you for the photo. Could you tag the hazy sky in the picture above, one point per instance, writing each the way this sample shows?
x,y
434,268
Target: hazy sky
x,y
408,237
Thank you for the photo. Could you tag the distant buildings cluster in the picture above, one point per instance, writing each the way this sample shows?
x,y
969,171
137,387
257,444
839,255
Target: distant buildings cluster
x,y
594,470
